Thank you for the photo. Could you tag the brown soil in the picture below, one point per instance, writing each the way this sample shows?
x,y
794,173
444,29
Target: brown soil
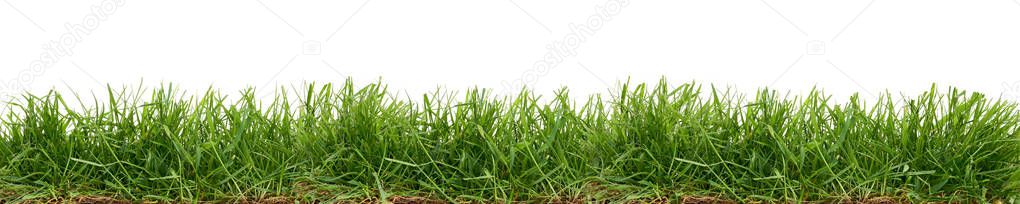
x,y
100,200
705,200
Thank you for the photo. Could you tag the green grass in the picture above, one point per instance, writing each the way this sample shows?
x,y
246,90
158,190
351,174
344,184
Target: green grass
x,y
343,142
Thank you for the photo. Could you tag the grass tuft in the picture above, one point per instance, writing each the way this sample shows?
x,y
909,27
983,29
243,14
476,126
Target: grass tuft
x,y
648,142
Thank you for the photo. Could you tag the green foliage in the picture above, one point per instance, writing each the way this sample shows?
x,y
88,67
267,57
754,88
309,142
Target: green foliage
x,y
344,142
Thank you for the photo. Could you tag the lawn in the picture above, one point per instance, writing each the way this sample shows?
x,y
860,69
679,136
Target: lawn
x,y
645,143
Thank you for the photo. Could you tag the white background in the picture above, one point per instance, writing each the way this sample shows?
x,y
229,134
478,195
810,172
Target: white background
x,y
415,46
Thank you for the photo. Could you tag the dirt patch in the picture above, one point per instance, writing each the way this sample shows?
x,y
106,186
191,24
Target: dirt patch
x,y
414,200
80,200
882,200
705,200
659,200
875,200
100,200
392,199
269,200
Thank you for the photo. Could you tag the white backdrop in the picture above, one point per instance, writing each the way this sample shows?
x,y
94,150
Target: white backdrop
x,y
840,46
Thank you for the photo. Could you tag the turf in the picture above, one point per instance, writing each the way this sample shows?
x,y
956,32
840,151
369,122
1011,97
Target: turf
x,y
643,142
